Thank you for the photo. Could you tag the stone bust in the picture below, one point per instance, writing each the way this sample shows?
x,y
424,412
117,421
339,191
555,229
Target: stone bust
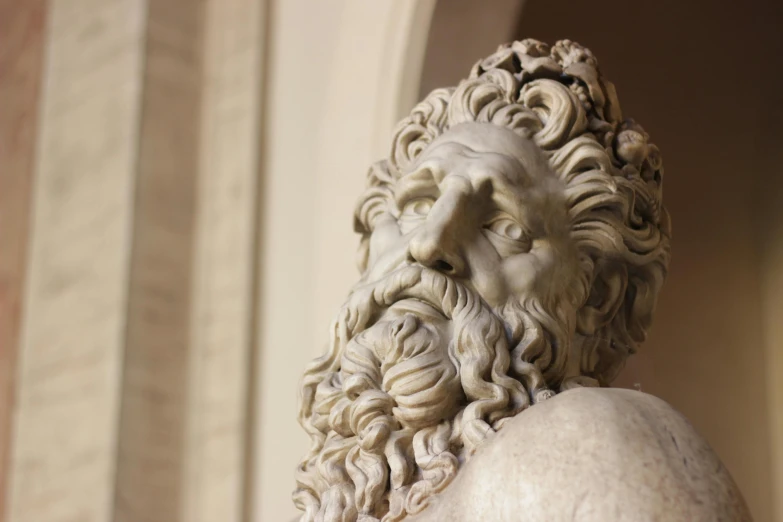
x,y
513,245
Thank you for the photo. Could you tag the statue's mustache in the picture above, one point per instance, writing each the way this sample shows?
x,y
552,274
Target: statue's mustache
x,y
446,295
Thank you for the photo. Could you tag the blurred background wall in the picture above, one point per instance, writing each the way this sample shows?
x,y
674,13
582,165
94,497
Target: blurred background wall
x,y
177,182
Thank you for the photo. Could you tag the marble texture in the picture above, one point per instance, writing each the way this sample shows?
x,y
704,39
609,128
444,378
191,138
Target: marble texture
x,y
62,462
182,441
151,446
22,38
130,400
593,455
226,253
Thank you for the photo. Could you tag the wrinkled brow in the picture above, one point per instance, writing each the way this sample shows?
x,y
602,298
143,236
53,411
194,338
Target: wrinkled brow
x,y
508,175
419,182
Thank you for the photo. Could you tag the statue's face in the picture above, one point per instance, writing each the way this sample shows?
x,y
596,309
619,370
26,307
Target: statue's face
x,y
425,362
482,206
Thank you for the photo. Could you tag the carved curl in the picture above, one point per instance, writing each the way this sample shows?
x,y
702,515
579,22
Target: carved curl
x,y
557,97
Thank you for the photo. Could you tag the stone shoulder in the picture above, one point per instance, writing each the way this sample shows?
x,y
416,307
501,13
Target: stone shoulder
x,y
593,454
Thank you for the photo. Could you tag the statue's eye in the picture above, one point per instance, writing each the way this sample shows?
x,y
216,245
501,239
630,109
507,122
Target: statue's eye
x,y
418,207
414,212
506,227
507,236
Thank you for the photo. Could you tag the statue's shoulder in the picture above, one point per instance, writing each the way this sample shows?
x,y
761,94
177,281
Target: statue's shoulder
x,y
593,454
607,411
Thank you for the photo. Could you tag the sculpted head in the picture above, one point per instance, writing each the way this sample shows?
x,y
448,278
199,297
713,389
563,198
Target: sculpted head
x,y
512,246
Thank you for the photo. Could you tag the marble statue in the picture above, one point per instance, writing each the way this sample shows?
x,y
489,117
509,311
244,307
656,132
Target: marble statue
x,y
513,245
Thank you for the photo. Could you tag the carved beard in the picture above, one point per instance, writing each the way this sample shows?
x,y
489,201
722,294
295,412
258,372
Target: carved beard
x,y
415,379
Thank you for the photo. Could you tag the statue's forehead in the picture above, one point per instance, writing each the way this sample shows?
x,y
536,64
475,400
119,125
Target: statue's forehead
x,y
482,149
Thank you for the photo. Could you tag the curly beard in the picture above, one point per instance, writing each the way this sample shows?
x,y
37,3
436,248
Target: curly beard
x,y
418,374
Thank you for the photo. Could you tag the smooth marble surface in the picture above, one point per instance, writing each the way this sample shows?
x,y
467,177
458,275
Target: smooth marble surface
x,y
70,352
593,455
22,37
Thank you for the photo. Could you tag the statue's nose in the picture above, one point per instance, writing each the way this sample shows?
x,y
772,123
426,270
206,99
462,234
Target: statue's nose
x,y
437,243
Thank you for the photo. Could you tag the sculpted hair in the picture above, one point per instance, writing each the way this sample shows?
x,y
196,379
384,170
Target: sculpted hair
x,y
612,175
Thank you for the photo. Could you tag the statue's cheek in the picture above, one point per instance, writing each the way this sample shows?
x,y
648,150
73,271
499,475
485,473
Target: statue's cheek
x,y
543,271
520,272
385,236
387,250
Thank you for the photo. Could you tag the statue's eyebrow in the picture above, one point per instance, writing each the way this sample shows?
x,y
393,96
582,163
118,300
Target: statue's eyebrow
x,y
508,189
411,184
512,164
510,203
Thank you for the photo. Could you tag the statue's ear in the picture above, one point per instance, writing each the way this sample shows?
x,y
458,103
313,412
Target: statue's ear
x,y
606,297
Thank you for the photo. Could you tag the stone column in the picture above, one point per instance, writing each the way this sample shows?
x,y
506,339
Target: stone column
x,y
125,389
